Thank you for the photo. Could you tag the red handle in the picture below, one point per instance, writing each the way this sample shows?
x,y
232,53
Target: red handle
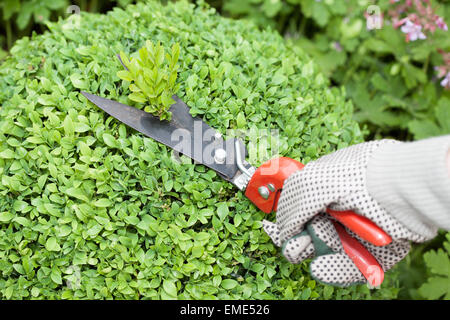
x,y
362,226
361,257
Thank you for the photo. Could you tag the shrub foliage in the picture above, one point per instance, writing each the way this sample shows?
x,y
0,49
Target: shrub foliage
x,y
90,208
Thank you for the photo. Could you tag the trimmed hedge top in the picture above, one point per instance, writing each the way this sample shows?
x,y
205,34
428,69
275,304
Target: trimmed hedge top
x,y
90,208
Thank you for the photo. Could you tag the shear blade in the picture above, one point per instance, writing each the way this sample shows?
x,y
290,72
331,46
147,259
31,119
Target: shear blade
x,y
183,133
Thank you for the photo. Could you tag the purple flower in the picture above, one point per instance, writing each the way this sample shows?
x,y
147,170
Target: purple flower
x,y
413,31
446,81
441,23
337,46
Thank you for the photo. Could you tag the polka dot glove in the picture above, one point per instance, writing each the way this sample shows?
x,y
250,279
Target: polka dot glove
x,y
336,181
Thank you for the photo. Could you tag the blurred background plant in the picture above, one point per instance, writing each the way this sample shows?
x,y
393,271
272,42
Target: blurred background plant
x,y
396,72
391,56
22,17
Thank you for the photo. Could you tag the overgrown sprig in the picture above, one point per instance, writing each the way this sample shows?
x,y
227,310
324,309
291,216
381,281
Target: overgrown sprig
x,y
153,80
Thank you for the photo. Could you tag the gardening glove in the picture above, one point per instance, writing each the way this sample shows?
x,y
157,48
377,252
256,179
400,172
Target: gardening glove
x,y
336,181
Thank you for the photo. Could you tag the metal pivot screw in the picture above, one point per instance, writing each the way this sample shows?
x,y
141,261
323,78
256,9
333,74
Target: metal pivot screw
x,y
264,192
220,156
271,187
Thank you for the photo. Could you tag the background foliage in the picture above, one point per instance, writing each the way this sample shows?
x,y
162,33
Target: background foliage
x,y
391,82
392,85
22,17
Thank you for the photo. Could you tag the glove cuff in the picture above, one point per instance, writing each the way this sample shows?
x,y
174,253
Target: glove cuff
x,y
410,180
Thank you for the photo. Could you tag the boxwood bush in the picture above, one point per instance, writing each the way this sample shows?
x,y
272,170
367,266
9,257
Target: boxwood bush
x,y
91,209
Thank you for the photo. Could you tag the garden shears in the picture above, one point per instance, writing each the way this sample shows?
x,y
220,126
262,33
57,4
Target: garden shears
x,y
194,138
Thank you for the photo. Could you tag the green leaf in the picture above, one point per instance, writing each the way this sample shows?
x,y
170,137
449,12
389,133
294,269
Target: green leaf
x,y
197,251
124,59
170,288
77,193
81,127
438,262
78,81
7,154
132,220
327,292
423,129
55,275
378,45
271,8
443,115
229,284
24,16
175,53
109,140
103,203
240,92
94,230
306,293
222,210
9,8
125,75
69,128
350,30
52,244
22,221
311,150
320,13
278,79
6,216
435,288
240,120
138,97
168,185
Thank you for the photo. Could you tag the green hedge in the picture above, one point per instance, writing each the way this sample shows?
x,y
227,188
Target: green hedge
x,y
92,209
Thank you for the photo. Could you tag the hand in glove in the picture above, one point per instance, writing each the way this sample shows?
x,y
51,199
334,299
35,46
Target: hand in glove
x,y
336,181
